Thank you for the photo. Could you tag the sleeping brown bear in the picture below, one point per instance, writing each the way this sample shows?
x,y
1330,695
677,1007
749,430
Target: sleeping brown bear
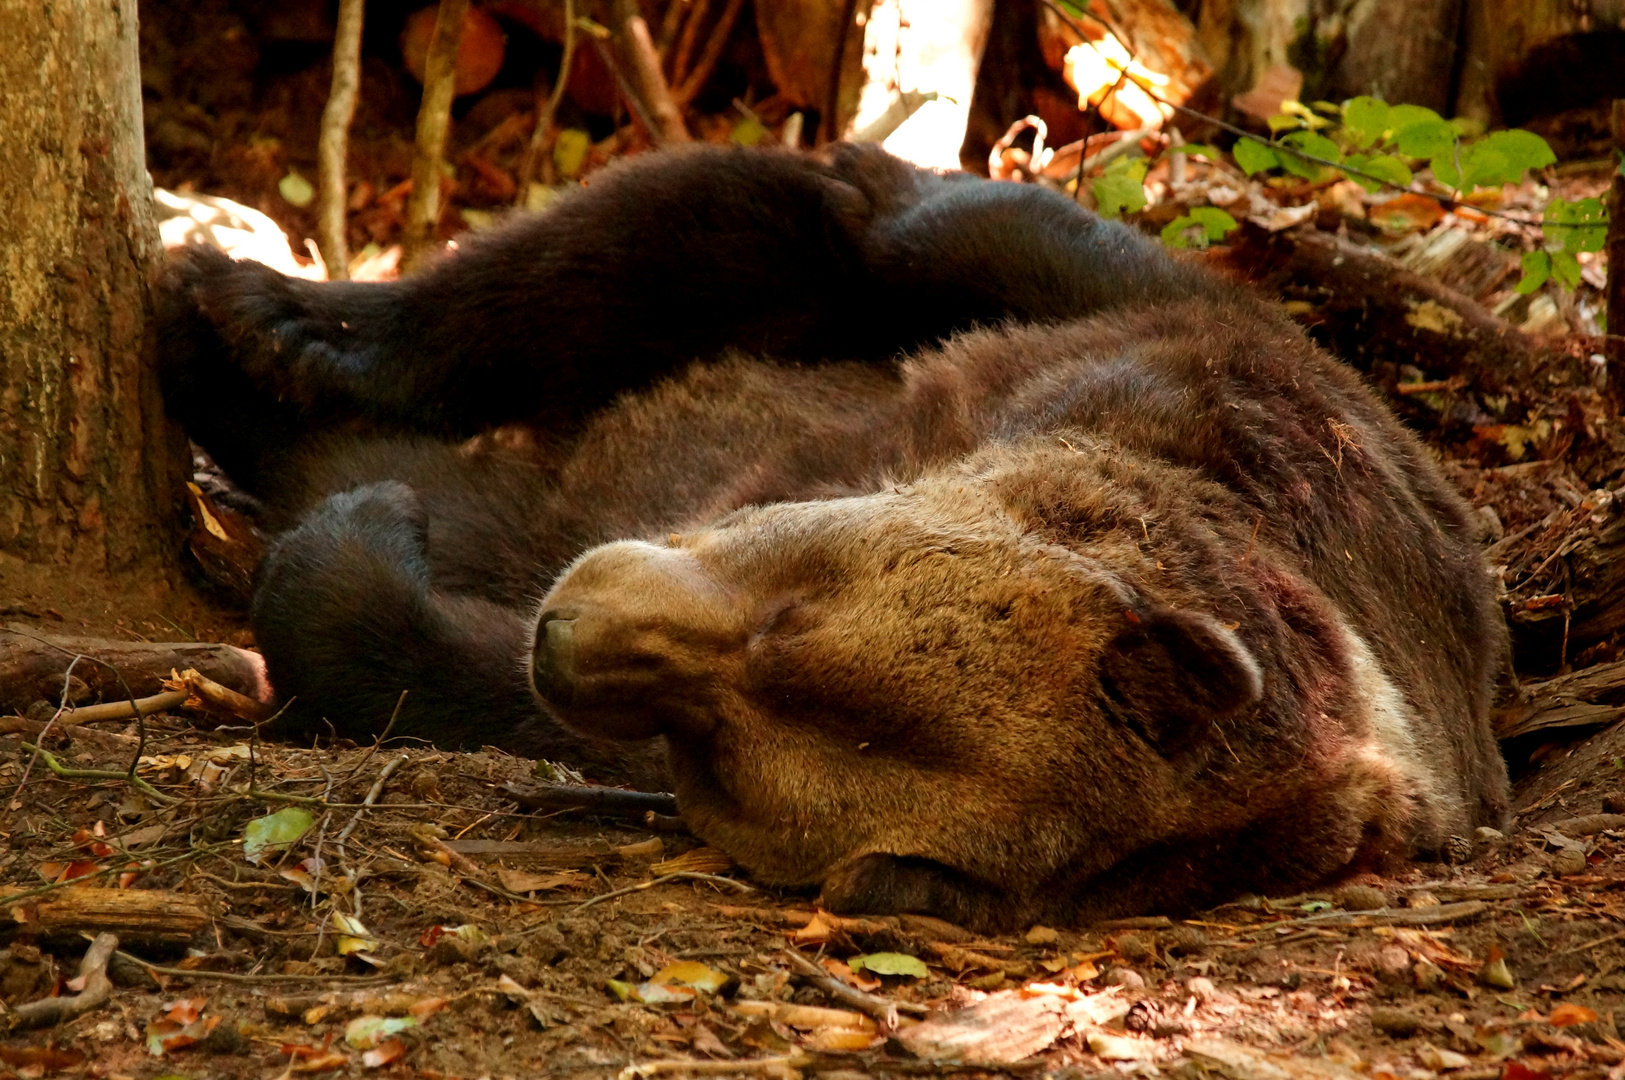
x,y
1112,594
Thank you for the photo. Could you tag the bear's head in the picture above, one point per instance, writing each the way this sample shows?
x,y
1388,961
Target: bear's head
x,y
898,695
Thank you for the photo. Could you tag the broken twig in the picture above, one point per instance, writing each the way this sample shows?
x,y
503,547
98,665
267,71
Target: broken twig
x,y
52,1011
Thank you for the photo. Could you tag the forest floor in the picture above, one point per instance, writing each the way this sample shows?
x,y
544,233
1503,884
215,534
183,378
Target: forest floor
x,y
415,918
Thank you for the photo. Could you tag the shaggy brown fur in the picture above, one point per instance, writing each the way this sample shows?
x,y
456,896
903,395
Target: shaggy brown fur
x,y
1060,620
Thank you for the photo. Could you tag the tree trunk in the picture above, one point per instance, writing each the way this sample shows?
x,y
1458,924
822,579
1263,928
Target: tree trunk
x,y
1504,41
1399,53
91,471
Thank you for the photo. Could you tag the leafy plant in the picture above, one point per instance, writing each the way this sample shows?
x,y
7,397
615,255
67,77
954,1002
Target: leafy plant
x,y
1214,224
1374,143
1120,188
1571,227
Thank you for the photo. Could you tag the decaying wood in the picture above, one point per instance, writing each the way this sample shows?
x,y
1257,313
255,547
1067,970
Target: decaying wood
x,y
606,801
32,667
434,117
49,1012
334,142
1590,698
1393,324
1578,596
1007,1026
140,914
1240,1062
1589,824
202,692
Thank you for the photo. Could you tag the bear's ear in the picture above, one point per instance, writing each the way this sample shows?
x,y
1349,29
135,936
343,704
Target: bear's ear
x,y
1170,674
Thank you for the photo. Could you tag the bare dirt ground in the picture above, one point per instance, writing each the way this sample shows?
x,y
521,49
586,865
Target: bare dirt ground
x,y
425,923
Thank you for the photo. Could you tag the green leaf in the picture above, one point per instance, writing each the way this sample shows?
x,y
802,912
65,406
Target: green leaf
x,y
1173,233
1284,122
1522,150
748,132
296,189
1403,116
1200,149
1566,269
275,831
570,148
889,963
1445,170
1537,267
1315,905
1311,143
1121,189
1385,167
1426,138
1254,156
1216,222
1577,226
1365,119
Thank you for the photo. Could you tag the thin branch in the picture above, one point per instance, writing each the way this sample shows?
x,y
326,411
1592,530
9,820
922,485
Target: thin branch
x,y
333,145
434,117
884,1011
642,80
691,37
694,81
52,1011
541,136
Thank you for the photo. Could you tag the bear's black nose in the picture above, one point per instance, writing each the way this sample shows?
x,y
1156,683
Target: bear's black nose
x,y
552,668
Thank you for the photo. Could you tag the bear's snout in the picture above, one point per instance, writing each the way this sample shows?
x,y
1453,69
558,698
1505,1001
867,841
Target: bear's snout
x,y
632,640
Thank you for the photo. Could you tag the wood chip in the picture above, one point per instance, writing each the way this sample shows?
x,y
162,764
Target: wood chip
x,y
1007,1026
1240,1062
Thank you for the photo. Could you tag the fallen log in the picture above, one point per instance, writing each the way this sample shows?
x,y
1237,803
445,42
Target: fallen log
x,y
1582,700
1403,330
33,667
132,914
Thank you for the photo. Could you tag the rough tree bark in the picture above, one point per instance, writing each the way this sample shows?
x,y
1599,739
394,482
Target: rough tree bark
x,y
91,471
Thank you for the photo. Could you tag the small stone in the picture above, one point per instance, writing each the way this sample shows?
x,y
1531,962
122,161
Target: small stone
x,y
1124,977
1201,988
545,944
226,1038
1361,898
1568,862
1486,835
1400,1023
1435,1058
1392,964
1043,935
1120,1047
1497,975
452,949
1427,975
1185,940
1135,948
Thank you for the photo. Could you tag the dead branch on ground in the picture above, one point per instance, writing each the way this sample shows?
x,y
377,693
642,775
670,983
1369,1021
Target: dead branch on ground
x,y
97,987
